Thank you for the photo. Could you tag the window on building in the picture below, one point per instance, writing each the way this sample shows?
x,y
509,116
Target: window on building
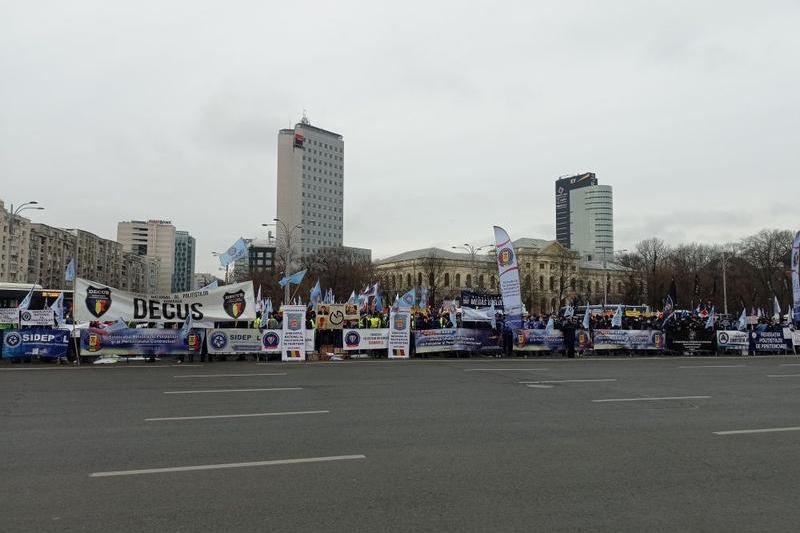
x,y
552,283
419,279
430,279
408,280
469,280
480,281
541,283
458,281
494,282
446,279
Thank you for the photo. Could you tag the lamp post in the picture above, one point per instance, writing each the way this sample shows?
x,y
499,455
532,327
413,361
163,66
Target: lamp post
x,y
33,204
605,250
472,250
287,232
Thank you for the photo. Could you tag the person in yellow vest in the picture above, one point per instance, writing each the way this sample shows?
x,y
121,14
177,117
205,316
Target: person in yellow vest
x,y
257,321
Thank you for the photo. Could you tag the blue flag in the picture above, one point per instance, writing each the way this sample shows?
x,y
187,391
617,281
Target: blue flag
x,y
316,294
407,300
423,297
616,320
213,285
712,317
587,317
742,325
69,273
118,325
378,303
58,308
234,253
295,278
26,302
551,325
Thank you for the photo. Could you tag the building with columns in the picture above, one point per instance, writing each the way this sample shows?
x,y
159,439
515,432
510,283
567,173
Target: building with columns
x,y
550,275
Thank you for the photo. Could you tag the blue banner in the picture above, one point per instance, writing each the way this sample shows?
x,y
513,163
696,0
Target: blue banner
x,y
35,342
540,340
629,339
764,342
141,341
454,340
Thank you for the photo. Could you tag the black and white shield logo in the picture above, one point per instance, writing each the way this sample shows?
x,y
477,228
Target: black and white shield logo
x,y
98,300
234,304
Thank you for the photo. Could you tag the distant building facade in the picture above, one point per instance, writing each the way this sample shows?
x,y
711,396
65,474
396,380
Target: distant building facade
x,y
564,186
310,189
550,275
151,238
591,221
183,271
14,249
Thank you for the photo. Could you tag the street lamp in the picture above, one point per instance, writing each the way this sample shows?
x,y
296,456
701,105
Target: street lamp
x,y
472,251
33,204
605,250
288,242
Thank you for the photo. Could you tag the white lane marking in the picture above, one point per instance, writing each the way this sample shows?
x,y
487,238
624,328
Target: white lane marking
x,y
184,376
749,431
567,381
651,399
248,415
226,465
540,386
504,369
184,365
790,364
712,366
227,390
783,375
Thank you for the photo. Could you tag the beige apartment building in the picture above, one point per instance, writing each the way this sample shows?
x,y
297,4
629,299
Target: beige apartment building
x,y
154,239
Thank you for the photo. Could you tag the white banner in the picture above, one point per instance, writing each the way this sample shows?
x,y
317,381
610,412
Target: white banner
x,y
733,340
271,340
365,339
229,303
37,317
9,315
508,271
233,341
399,334
293,342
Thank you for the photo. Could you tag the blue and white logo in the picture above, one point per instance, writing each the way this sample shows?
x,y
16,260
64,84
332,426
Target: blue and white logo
x,y
352,339
25,316
219,340
12,340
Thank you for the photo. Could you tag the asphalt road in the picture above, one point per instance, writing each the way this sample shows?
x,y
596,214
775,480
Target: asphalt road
x,y
455,445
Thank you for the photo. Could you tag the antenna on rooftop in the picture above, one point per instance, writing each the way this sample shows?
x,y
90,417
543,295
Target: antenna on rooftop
x,y
305,120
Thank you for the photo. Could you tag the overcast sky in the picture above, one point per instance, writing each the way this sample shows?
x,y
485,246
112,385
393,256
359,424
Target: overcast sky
x,y
455,115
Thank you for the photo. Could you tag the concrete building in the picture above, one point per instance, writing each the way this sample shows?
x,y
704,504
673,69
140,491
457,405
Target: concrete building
x,y
550,275
259,262
183,271
14,249
310,189
151,238
49,253
591,221
564,186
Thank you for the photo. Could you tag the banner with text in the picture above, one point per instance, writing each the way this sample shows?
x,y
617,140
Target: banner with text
x,y
141,341
476,300
293,341
365,339
624,339
271,340
9,315
37,317
454,340
733,340
770,342
95,301
234,341
35,342
399,334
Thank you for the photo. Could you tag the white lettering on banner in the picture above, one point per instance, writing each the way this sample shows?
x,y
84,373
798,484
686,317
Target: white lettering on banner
x,y
229,303
365,339
399,334
37,317
232,341
293,342
9,315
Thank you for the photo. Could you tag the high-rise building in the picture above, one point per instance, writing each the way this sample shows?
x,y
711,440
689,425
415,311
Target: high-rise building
x,y
591,221
183,272
258,263
563,188
15,243
151,238
310,189
51,249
